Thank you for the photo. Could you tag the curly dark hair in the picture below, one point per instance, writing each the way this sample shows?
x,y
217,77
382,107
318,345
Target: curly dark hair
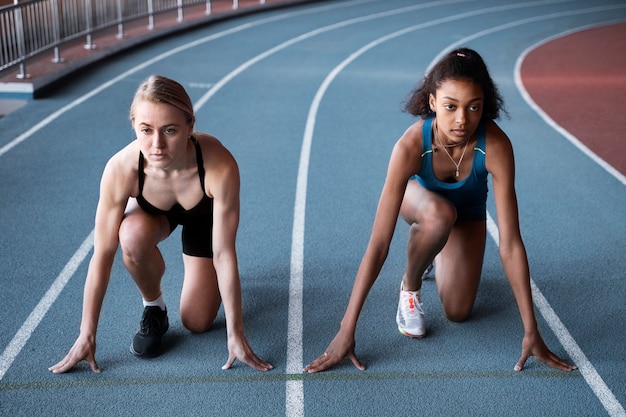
x,y
460,64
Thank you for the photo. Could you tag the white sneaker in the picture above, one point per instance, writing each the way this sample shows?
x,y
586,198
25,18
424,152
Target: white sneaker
x,y
410,316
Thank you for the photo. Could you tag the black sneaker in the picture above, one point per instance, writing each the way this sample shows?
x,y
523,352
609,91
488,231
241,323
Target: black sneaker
x,y
147,341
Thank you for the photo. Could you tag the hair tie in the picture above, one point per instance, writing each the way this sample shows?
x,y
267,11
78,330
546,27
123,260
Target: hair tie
x,y
462,55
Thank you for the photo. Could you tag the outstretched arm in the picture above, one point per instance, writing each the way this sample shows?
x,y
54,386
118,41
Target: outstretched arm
x,y
500,162
224,186
109,214
401,166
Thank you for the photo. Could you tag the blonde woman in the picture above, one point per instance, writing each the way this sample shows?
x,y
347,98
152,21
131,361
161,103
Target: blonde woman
x,y
168,176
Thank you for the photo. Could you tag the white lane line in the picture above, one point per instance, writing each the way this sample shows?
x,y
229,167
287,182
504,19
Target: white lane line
x,y
592,377
533,19
37,127
23,334
311,34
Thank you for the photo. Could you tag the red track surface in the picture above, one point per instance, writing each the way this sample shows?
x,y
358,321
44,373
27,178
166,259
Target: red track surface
x,y
580,82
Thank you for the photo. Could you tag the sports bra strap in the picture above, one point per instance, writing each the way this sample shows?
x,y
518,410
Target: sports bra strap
x,y
199,161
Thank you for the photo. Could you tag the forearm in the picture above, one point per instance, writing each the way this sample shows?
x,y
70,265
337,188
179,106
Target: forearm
x,y
95,289
366,276
230,290
515,263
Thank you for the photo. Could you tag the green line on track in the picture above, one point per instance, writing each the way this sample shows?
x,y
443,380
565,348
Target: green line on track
x,y
99,381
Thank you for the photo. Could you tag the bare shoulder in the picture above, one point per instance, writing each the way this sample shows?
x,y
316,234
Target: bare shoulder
x,y
496,137
120,172
414,132
408,148
213,151
411,139
221,169
206,139
499,149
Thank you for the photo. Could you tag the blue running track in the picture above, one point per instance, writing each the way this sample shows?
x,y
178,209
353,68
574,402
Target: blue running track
x,y
309,99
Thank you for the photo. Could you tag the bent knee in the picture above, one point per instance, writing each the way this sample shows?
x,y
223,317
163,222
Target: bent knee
x,y
456,308
132,233
438,217
195,326
197,323
457,314
441,214
138,234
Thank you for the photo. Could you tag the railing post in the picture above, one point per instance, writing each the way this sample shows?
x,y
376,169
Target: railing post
x,y
88,17
235,4
180,11
150,15
22,74
21,46
120,25
56,28
208,7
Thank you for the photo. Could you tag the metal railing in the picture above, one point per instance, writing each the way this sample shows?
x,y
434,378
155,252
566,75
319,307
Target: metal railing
x,y
30,28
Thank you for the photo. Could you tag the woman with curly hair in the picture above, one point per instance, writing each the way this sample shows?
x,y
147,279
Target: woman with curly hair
x,y
437,182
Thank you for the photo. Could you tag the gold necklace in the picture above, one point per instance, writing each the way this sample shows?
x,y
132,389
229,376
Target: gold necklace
x,y
445,148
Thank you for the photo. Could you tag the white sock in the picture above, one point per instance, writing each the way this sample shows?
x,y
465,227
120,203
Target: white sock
x,y
159,302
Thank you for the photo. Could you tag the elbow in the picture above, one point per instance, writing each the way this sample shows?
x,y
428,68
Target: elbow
x,y
508,248
223,257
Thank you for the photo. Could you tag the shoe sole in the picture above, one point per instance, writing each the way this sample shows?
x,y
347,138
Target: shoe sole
x,y
412,336
143,355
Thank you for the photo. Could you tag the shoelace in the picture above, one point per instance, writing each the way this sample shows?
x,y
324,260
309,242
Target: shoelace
x,y
413,301
150,322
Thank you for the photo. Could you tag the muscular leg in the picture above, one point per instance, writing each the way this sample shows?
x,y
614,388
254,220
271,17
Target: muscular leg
x,y
139,235
200,298
458,267
431,218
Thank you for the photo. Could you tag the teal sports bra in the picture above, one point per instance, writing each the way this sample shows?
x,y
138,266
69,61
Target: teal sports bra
x,y
469,195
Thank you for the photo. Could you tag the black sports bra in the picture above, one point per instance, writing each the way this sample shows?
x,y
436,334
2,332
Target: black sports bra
x,y
204,206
